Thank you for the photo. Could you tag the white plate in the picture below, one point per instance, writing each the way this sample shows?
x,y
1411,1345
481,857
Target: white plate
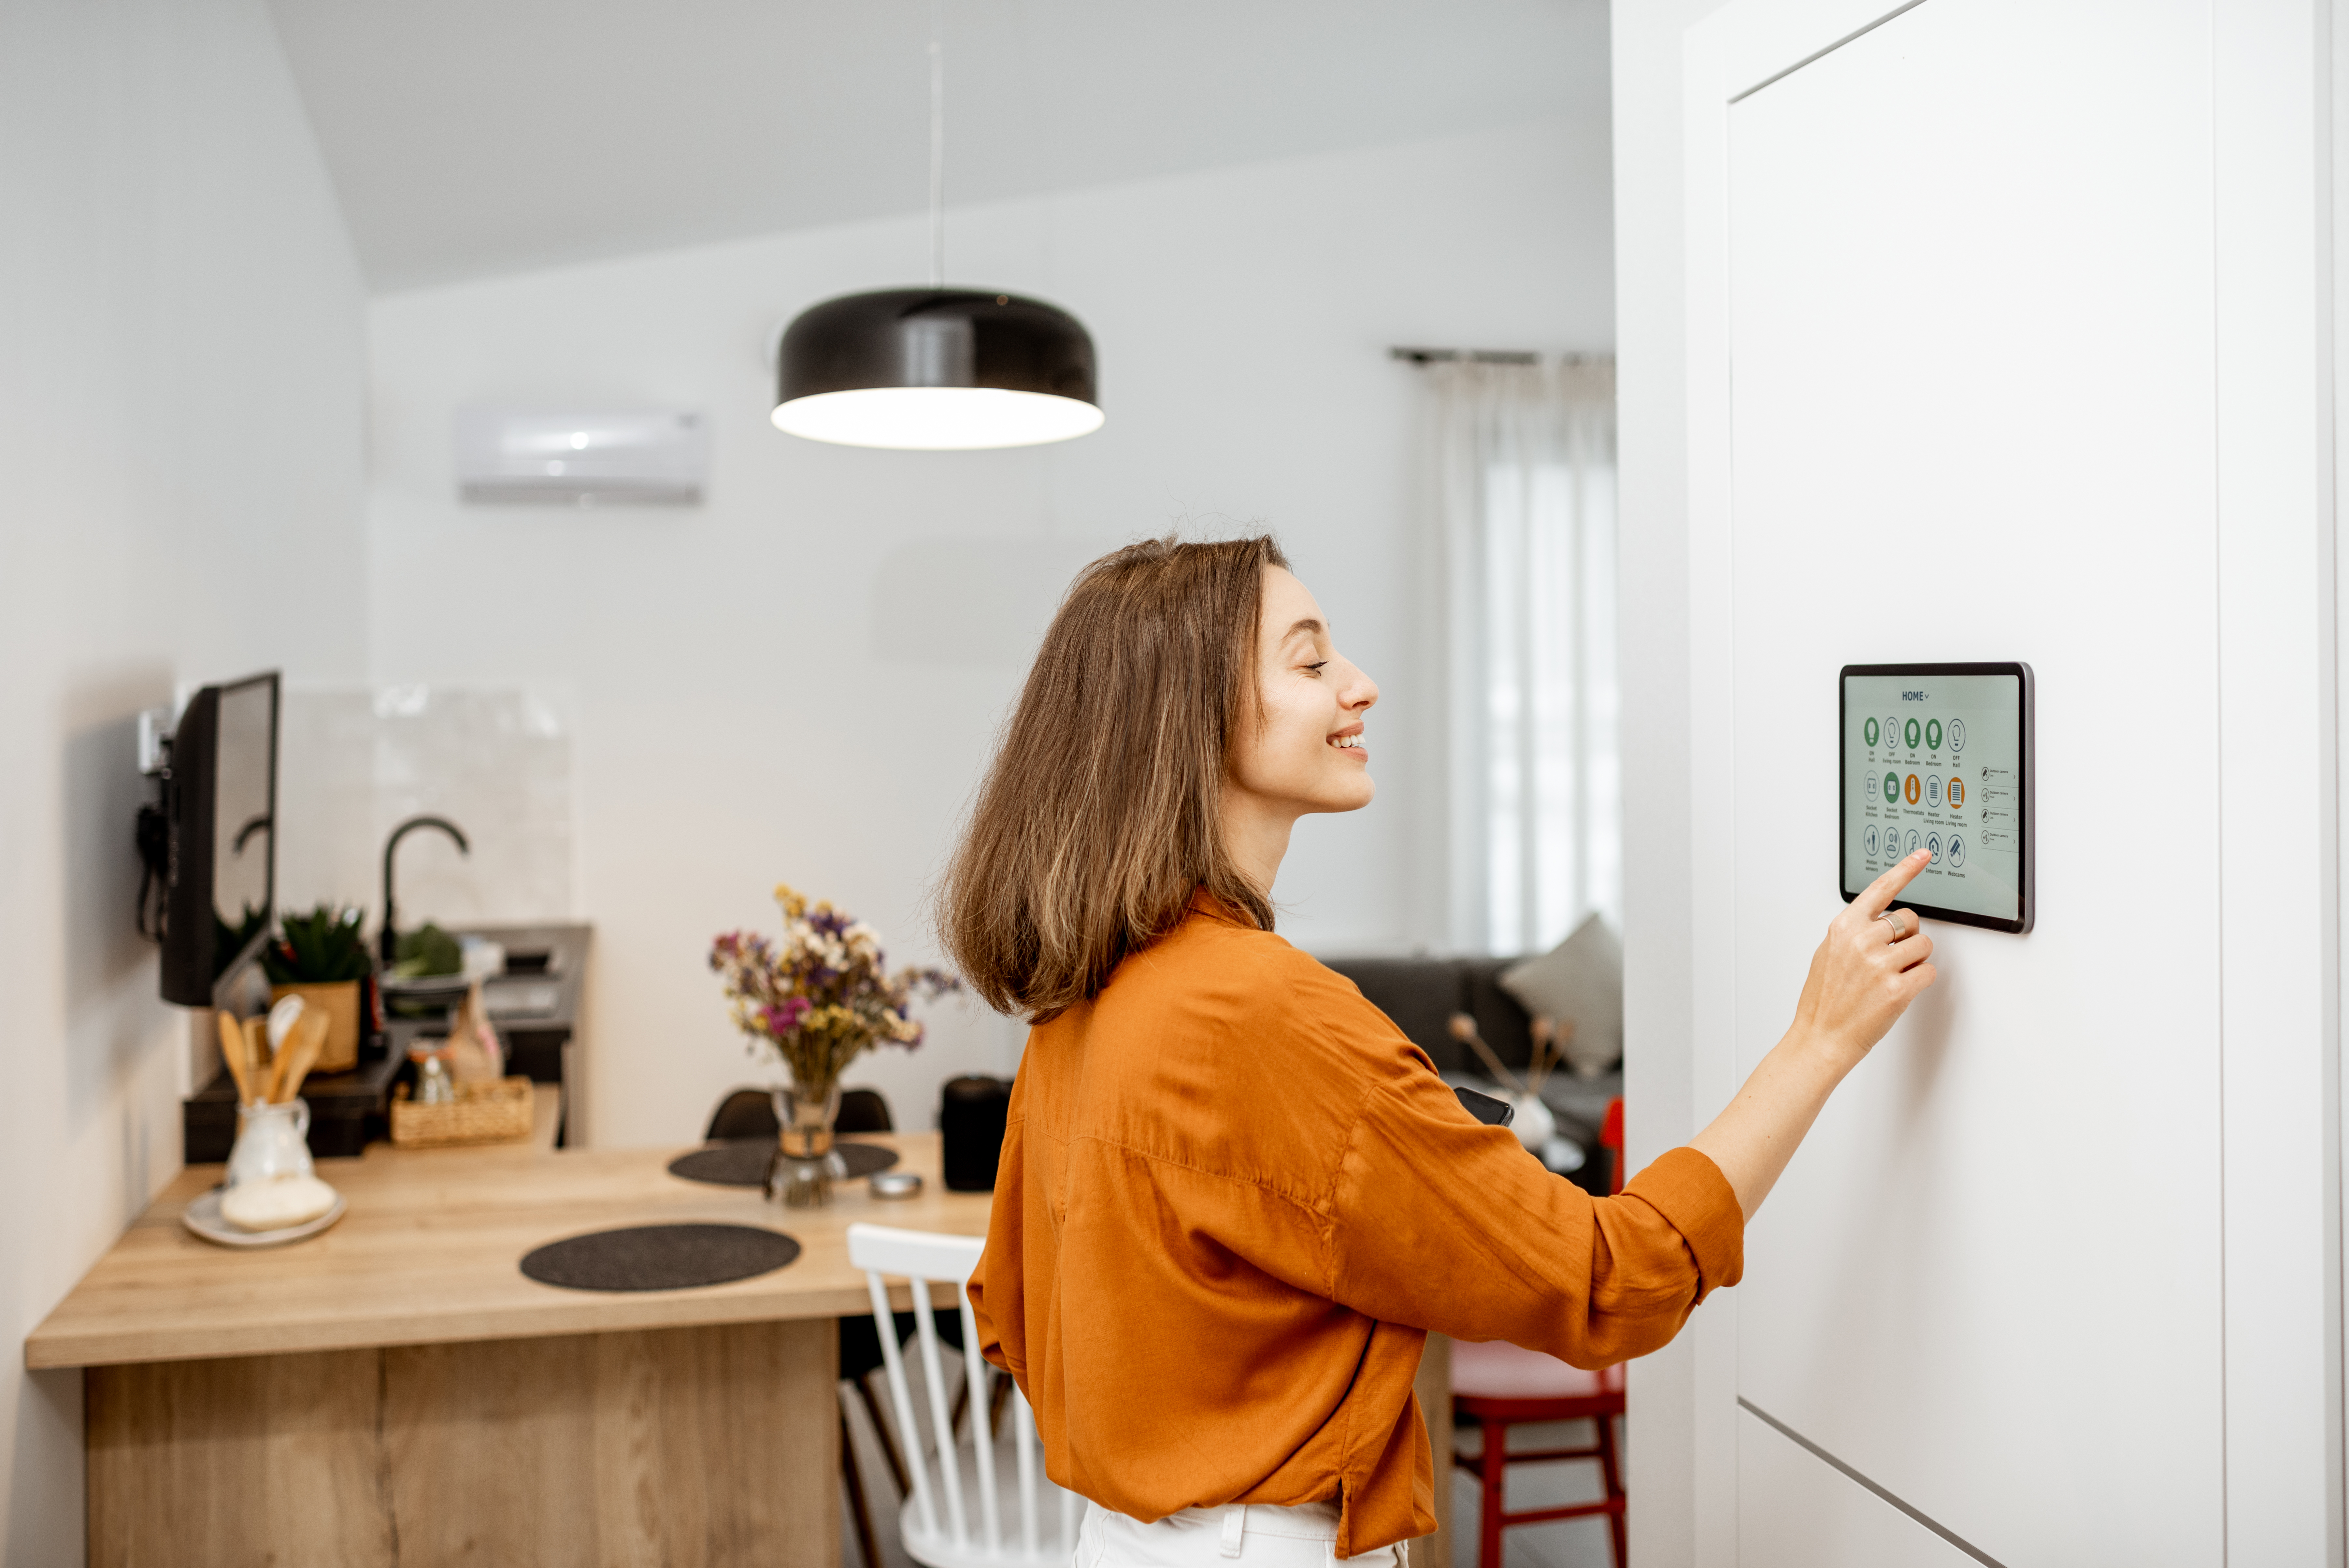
x,y
203,1217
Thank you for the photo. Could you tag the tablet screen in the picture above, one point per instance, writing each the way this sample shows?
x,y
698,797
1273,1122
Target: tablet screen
x,y
1934,760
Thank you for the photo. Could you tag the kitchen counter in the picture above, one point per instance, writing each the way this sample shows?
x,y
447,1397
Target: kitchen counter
x,y
395,1391
429,1250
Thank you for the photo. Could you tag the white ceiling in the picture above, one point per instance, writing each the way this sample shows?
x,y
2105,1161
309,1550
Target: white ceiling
x,y
468,137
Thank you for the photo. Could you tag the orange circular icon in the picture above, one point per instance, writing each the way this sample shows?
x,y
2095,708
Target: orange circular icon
x,y
1957,794
1910,789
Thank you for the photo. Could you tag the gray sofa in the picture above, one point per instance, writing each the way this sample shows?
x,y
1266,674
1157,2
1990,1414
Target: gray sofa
x,y
1420,994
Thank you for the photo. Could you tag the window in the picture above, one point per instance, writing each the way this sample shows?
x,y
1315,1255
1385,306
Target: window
x,y
1525,455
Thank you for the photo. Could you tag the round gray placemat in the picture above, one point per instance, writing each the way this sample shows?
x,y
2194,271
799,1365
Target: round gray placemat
x,y
742,1162
660,1257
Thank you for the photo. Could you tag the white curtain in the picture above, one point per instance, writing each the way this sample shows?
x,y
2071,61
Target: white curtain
x,y
1525,462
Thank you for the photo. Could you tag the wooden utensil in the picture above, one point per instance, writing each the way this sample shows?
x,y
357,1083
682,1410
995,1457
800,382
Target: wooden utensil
x,y
231,1038
303,1043
281,1059
257,1056
282,1017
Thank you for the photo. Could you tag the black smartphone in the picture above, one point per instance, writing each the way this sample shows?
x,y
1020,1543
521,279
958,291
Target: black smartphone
x,y
1493,1113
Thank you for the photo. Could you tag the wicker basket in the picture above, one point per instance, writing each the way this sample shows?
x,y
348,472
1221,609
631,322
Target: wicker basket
x,y
482,1113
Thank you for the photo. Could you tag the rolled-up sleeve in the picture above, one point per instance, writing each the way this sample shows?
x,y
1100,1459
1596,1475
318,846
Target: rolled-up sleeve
x,y
1447,1224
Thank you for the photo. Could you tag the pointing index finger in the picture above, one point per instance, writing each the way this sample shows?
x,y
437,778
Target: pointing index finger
x,y
1878,895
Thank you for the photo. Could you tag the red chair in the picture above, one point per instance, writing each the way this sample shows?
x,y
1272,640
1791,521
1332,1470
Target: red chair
x,y
1504,1387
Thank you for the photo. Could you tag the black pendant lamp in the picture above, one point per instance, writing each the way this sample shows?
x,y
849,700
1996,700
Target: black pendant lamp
x,y
937,369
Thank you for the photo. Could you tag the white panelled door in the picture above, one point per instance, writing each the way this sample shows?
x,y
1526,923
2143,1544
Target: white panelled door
x,y
1976,374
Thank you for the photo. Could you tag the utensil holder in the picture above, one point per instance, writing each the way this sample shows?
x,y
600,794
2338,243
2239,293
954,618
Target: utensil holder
x,y
271,1141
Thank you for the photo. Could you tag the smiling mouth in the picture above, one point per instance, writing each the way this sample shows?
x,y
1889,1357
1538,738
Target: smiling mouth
x,y
1350,744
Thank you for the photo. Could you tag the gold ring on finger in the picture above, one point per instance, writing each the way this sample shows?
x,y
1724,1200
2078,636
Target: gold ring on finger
x,y
1892,917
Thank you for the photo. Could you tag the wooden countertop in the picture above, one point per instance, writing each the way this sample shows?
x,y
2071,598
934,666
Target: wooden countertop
x,y
431,1248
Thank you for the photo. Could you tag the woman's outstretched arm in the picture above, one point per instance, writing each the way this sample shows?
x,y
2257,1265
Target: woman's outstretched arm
x,y
1862,977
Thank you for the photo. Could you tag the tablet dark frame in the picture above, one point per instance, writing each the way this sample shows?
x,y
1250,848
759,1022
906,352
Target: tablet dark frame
x,y
2029,750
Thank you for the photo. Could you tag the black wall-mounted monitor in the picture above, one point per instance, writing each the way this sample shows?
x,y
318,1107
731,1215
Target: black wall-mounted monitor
x,y
1938,757
220,800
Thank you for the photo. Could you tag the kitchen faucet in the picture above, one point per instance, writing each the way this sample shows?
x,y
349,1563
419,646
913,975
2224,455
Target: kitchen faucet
x,y
390,944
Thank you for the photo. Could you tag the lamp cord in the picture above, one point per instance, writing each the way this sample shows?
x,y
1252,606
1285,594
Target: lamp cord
x,y
937,148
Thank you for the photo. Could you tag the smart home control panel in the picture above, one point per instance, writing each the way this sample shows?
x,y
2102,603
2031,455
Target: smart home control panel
x,y
1938,757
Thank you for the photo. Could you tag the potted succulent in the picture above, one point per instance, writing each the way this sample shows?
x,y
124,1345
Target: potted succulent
x,y
321,957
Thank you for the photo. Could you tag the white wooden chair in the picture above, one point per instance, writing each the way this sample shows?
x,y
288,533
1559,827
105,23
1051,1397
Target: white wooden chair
x,y
943,1538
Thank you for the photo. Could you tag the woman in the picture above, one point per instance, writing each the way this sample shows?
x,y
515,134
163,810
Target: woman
x,y
1234,1199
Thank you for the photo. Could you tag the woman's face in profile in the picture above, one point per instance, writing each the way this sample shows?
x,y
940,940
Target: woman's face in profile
x,y
1304,750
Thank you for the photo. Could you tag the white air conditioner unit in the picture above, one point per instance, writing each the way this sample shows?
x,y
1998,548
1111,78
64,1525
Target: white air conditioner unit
x,y
636,457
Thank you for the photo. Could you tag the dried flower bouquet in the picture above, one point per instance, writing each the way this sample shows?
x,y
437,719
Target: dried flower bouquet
x,y
821,996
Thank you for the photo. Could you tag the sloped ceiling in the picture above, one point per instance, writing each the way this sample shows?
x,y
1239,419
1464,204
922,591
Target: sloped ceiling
x,y
472,136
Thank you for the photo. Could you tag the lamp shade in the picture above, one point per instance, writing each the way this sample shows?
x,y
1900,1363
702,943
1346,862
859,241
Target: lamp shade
x,y
941,368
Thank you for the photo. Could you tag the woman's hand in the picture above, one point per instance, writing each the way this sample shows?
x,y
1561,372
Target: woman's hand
x,y
1869,967
1867,972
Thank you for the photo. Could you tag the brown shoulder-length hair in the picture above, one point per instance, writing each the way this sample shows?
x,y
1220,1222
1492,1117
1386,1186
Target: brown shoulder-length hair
x,y
1102,815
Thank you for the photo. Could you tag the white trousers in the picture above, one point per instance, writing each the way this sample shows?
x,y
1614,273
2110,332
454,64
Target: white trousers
x,y
1244,1535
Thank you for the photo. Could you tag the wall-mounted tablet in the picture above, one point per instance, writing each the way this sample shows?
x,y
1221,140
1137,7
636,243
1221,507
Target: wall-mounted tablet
x,y
1938,757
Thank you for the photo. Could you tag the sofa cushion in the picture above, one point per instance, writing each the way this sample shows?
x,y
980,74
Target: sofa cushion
x,y
1581,980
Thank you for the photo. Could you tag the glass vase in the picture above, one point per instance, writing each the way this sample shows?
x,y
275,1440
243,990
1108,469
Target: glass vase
x,y
801,1173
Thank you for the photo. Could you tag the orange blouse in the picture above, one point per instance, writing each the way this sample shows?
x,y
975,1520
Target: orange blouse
x,y
1234,1201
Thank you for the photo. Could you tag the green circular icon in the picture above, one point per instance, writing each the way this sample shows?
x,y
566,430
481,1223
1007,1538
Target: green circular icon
x,y
1891,786
1871,731
1934,734
1912,734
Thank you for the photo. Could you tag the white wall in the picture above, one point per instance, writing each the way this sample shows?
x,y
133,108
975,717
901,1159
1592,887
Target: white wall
x,y
801,679
1873,341
180,500
1897,495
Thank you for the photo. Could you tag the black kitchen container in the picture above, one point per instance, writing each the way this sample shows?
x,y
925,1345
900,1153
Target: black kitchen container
x,y
971,1113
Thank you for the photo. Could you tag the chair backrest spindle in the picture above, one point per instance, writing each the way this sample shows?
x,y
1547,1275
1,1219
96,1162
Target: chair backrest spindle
x,y
900,1399
1026,1449
941,1423
922,1260
979,1377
